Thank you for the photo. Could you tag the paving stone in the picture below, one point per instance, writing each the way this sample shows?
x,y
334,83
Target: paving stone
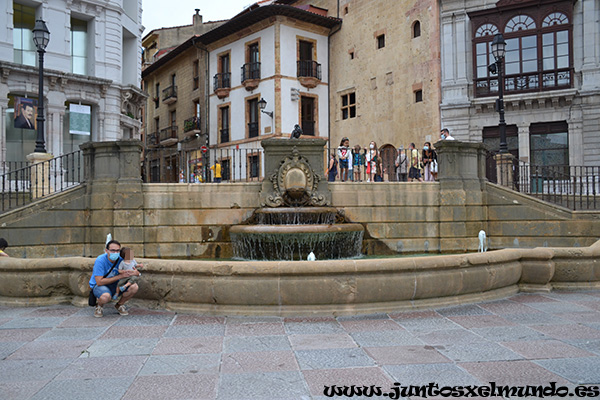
x,y
450,336
479,352
509,333
100,389
532,298
572,331
20,390
21,335
255,329
592,345
121,347
173,387
536,318
366,325
415,315
253,319
582,317
469,309
263,361
234,344
195,330
192,319
13,312
103,367
7,348
560,307
57,311
318,380
502,307
33,322
333,358
31,370
142,320
68,349
424,374
72,334
88,321
512,373
262,385
123,332
313,327
428,324
181,364
577,370
313,342
200,345
385,338
363,317
541,349
406,355
480,321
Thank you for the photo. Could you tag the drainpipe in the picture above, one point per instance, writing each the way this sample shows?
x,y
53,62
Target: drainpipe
x,y
200,46
333,32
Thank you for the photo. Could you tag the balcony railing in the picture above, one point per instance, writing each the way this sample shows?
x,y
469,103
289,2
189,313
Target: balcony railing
x,y
225,135
309,69
191,124
523,83
308,127
222,81
250,71
168,135
152,139
170,94
253,129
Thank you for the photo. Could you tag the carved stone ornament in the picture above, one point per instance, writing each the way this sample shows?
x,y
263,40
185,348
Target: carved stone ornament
x,y
295,184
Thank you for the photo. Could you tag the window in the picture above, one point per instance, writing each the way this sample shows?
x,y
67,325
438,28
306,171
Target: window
x,y
196,74
539,48
251,70
307,115
23,46
549,144
254,166
418,96
380,41
79,38
223,77
416,29
77,126
252,117
224,123
306,51
349,105
157,97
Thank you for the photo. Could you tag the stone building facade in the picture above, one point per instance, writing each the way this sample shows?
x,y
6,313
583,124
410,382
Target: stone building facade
x,y
91,68
552,77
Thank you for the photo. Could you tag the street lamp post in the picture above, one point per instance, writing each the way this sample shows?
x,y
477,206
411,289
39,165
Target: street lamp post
x,y
262,103
41,37
499,51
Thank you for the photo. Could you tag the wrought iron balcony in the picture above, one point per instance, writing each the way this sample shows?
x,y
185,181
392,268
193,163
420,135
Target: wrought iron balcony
x,y
222,84
191,126
524,83
309,73
169,95
308,128
253,129
168,136
224,135
250,71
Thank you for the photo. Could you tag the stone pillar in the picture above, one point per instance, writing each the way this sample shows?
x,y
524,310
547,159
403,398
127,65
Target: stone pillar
x,y
40,174
504,169
462,212
114,193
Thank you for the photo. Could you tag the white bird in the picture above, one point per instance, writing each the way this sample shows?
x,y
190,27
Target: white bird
x,y
108,238
482,241
311,257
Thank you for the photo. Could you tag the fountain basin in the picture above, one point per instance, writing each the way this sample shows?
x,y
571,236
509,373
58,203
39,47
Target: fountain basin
x,y
297,215
296,242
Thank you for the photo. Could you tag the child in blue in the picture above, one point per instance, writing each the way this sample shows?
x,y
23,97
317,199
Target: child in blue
x,y
343,153
358,162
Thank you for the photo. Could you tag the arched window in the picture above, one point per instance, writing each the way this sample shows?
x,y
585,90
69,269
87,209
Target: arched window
x,y
555,18
416,29
520,23
555,51
486,30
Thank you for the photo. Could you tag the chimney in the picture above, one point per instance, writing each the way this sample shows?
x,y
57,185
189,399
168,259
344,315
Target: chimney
x,y
197,18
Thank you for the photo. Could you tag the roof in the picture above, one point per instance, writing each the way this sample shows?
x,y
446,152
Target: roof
x,y
170,55
251,15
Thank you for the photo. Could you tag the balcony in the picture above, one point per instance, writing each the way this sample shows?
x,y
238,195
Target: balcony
x,y
222,84
309,73
253,129
169,95
525,83
251,75
152,140
224,135
308,128
191,127
168,136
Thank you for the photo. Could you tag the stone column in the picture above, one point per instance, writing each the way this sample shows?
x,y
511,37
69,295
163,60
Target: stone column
x,y
40,174
462,212
504,169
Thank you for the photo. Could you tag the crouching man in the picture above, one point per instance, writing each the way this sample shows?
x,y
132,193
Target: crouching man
x,y
106,276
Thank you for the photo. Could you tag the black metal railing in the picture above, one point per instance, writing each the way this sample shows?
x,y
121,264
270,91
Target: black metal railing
x,y
250,71
191,124
309,68
224,135
168,133
308,127
23,185
253,129
222,81
573,187
170,93
167,165
531,82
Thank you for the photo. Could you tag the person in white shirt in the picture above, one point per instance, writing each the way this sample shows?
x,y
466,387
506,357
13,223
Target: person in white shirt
x,y
445,134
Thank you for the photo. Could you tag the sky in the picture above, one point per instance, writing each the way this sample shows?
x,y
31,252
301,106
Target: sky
x,y
160,13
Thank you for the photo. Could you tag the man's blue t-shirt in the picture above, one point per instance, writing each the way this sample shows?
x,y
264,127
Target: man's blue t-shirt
x,y
101,266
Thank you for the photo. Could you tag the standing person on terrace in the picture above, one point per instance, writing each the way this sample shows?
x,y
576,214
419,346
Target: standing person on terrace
x,y
429,156
331,171
343,153
414,171
105,287
358,161
216,171
401,163
371,161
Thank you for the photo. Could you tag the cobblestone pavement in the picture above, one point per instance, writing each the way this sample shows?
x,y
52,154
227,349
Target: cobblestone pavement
x,y
63,352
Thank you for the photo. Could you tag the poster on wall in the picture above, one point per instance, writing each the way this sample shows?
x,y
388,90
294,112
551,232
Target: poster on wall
x,y
80,119
25,113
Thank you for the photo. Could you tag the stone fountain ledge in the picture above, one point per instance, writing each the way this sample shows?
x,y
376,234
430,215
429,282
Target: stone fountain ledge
x,y
340,287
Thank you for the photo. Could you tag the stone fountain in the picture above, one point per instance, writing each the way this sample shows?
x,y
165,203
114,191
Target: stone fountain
x,y
295,217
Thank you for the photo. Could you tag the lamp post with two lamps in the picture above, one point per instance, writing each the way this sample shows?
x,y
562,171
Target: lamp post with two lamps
x,y
41,37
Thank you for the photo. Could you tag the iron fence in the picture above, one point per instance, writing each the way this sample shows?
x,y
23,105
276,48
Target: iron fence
x,y
573,187
21,186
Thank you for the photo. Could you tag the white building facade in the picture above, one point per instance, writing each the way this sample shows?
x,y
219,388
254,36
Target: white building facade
x,y
92,73
552,77
277,53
